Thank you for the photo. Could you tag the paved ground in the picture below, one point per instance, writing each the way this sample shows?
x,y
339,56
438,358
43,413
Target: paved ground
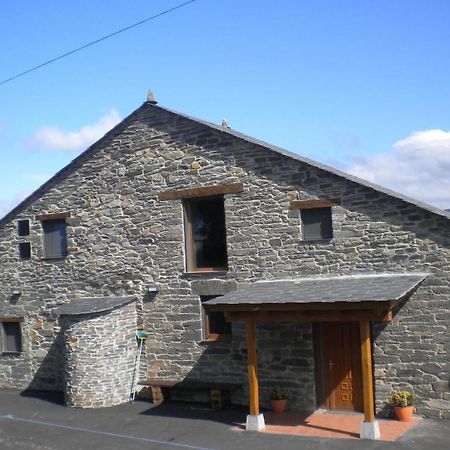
x,y
41,422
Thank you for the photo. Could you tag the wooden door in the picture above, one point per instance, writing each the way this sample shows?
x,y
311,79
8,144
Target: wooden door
x,y
342,366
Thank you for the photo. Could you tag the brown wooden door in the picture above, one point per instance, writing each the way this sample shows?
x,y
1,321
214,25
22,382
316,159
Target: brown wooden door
x,y
342,366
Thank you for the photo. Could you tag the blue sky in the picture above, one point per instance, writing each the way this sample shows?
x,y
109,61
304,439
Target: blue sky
x,y
361,84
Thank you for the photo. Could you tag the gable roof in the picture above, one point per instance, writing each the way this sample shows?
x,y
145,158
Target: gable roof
x,y
97,145
313,163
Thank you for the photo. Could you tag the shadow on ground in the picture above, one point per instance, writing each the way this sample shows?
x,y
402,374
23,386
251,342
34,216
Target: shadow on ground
x,y
233,415
56,397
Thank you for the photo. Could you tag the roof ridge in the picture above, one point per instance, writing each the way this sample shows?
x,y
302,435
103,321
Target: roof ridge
x,y
92,148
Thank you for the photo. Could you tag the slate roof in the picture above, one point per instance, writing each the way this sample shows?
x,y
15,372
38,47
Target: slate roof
x,y
355,289
122,125
90,305
311,162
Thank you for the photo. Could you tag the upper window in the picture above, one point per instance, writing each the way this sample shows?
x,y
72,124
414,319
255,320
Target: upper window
x,y
55,238
215,327
23,227
316,224
10,337
205,237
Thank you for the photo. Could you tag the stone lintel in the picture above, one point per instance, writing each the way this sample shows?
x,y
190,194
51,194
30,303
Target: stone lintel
x,y
53,216
204,191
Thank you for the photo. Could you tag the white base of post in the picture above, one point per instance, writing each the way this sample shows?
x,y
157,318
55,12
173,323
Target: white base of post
x,y
369,430
255,423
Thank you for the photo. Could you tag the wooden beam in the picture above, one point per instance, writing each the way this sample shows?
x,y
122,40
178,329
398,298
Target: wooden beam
x,y
326,306
310,204
367,377
206,191
331,315
53,216
252,368
11,319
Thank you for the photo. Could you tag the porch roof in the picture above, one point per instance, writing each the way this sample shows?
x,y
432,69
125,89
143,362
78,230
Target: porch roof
x,y
353,289
88,305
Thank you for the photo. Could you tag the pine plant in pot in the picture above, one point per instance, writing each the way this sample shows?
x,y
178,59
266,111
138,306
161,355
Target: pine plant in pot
x,y
279,397
402,402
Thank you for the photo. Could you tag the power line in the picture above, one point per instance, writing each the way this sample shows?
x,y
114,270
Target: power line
x,y
167,11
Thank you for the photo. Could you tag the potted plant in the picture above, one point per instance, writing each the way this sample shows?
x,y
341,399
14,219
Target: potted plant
x,y
279,397
402,402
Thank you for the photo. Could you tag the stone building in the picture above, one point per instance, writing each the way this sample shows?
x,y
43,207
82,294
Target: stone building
x,y
322,267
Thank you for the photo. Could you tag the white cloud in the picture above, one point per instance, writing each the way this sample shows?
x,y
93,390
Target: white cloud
x,y
53,138
7,205
418,166
4,209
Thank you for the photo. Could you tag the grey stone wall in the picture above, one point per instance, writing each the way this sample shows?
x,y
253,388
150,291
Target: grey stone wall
x,y
122,238
99,357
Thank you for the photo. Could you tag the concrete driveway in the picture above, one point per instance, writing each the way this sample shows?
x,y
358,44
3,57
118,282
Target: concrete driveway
x,y
36,421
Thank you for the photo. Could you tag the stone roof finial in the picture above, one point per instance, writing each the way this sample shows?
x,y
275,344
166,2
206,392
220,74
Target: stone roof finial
x,y
151,97
225,123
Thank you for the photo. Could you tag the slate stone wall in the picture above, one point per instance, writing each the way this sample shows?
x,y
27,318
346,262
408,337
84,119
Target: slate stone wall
x,y
99,357
122,238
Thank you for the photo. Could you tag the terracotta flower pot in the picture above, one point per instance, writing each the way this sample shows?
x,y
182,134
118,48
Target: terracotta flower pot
x,y
404,413
278,406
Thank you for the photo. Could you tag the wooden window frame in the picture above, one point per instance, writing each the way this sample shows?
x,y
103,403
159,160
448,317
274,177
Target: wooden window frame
x,y
189,241
10,320
206,334
321,238
59,217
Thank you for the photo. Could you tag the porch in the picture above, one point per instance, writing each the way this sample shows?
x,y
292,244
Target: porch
x,y
357,300
327,424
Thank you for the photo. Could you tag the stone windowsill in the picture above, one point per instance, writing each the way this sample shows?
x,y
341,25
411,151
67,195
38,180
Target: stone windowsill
x,y
11,354
206,342
328,241
212,273
53,258
318,241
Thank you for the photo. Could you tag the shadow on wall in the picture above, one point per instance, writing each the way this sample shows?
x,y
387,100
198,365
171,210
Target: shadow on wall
x,y
50,373
285,358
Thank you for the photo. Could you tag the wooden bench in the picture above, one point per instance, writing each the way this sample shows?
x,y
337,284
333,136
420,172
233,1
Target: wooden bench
x,y
219,392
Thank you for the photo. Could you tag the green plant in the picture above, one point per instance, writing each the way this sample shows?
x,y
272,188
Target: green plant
x,y
280,393
401,398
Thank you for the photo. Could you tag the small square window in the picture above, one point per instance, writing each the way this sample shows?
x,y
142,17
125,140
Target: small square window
x,y
11,337
205,235
25,250
215,327
55,238
316,224
23,227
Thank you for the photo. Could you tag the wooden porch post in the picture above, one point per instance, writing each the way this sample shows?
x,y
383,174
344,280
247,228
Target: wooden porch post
x,y
369,428
252,369
255,421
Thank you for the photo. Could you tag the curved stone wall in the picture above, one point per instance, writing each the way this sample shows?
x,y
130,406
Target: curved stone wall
x,y
100,350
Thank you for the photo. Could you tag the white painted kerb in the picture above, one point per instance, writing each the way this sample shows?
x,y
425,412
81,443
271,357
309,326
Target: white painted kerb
x,y
255,423
369,430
